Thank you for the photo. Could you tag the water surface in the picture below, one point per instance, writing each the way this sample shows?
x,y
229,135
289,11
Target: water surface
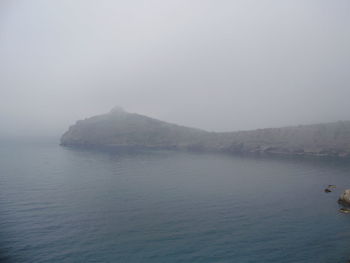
x,y
64,205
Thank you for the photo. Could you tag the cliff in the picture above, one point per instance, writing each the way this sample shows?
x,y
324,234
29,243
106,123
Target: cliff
x,y
122,129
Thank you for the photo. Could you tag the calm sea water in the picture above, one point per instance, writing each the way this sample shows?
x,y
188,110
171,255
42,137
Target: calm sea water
x,y
65,205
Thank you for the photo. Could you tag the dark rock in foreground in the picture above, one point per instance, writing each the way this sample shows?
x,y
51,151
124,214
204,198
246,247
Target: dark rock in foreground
x,y
122,129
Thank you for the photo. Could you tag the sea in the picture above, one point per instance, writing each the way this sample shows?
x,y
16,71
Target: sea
x,y
60,204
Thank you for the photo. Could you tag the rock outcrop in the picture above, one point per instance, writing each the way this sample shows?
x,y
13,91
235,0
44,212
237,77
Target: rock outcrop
x,y
122,129
344,199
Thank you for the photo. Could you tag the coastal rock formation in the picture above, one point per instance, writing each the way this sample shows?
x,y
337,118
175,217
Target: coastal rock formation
x,y
344,199
122,129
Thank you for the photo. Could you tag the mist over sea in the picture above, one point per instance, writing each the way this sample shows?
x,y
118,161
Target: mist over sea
x,y
60,204
246,77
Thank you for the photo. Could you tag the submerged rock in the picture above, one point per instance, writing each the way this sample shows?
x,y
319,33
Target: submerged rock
x,y
344,210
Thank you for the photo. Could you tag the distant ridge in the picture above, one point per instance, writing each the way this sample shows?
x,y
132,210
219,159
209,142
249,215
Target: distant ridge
x,y
119,128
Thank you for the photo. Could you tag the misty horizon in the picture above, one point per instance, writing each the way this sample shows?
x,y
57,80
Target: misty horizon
x,y
237,65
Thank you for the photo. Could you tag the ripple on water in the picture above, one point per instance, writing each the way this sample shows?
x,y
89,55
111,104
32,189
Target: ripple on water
x,y
59,205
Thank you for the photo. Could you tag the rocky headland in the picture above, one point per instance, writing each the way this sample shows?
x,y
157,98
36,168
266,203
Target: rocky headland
x,y
122,129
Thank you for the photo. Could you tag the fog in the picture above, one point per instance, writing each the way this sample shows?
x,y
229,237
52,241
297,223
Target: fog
x,y
220,65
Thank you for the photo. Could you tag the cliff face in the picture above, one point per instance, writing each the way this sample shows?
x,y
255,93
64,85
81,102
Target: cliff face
x,y
122,129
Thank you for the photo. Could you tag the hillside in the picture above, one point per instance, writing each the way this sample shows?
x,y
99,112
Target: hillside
x,y
122,129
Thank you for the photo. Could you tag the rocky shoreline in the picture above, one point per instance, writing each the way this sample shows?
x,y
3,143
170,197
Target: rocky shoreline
x,y
120,129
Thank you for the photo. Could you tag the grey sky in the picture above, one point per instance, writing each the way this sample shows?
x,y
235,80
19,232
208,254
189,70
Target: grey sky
x,y
213,64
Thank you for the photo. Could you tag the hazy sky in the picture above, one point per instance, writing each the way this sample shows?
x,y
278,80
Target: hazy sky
x,y
213,64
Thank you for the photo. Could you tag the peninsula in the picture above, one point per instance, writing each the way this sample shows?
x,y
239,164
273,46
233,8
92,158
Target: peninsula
x,y
119,128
